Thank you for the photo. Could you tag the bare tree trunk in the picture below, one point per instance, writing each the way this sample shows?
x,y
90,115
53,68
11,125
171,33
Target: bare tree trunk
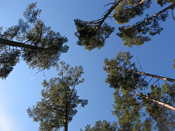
x,y
156,76
161,104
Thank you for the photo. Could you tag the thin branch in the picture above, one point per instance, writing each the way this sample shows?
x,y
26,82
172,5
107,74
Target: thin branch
x,y
156,14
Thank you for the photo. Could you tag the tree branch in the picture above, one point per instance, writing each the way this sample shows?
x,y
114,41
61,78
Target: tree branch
x,y
156,14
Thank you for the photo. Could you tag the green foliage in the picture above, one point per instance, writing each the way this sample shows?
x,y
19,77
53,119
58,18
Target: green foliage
x,y
36,43
164,2
101,126
141,32
163,117
92,34
137,33
134,95
43,36
59,100
120,72
129,9
7,61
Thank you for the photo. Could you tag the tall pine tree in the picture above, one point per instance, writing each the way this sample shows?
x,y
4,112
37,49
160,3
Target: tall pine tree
x,y
59,100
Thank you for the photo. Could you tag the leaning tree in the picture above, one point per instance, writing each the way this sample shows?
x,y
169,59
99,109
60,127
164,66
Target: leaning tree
x,y
38,45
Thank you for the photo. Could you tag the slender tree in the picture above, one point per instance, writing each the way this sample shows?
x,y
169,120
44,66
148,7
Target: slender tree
x,y
32,40
59,100
139,104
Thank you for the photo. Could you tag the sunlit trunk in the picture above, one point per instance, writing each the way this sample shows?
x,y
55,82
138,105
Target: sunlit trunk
x,y
156,76
161,104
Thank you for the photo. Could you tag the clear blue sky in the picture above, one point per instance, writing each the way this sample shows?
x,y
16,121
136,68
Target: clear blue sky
x,y
22,88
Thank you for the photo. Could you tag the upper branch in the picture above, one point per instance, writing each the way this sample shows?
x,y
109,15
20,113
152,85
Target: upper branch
x,y
156,14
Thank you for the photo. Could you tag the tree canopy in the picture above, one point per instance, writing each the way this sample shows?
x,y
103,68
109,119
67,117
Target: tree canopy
x,y
101,126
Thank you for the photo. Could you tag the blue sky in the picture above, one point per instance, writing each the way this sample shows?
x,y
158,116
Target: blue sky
x,y
22,88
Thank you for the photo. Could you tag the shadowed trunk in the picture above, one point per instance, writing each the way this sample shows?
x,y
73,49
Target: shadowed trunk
x,y
66,115
19,44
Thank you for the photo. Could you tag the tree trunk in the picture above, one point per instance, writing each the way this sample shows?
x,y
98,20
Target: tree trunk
x,y
66,115
19,44
156,76
66,127
161,104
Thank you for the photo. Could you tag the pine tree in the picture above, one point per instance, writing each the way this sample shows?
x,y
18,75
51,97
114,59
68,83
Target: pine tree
x,y
31,40
139,103
59,100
